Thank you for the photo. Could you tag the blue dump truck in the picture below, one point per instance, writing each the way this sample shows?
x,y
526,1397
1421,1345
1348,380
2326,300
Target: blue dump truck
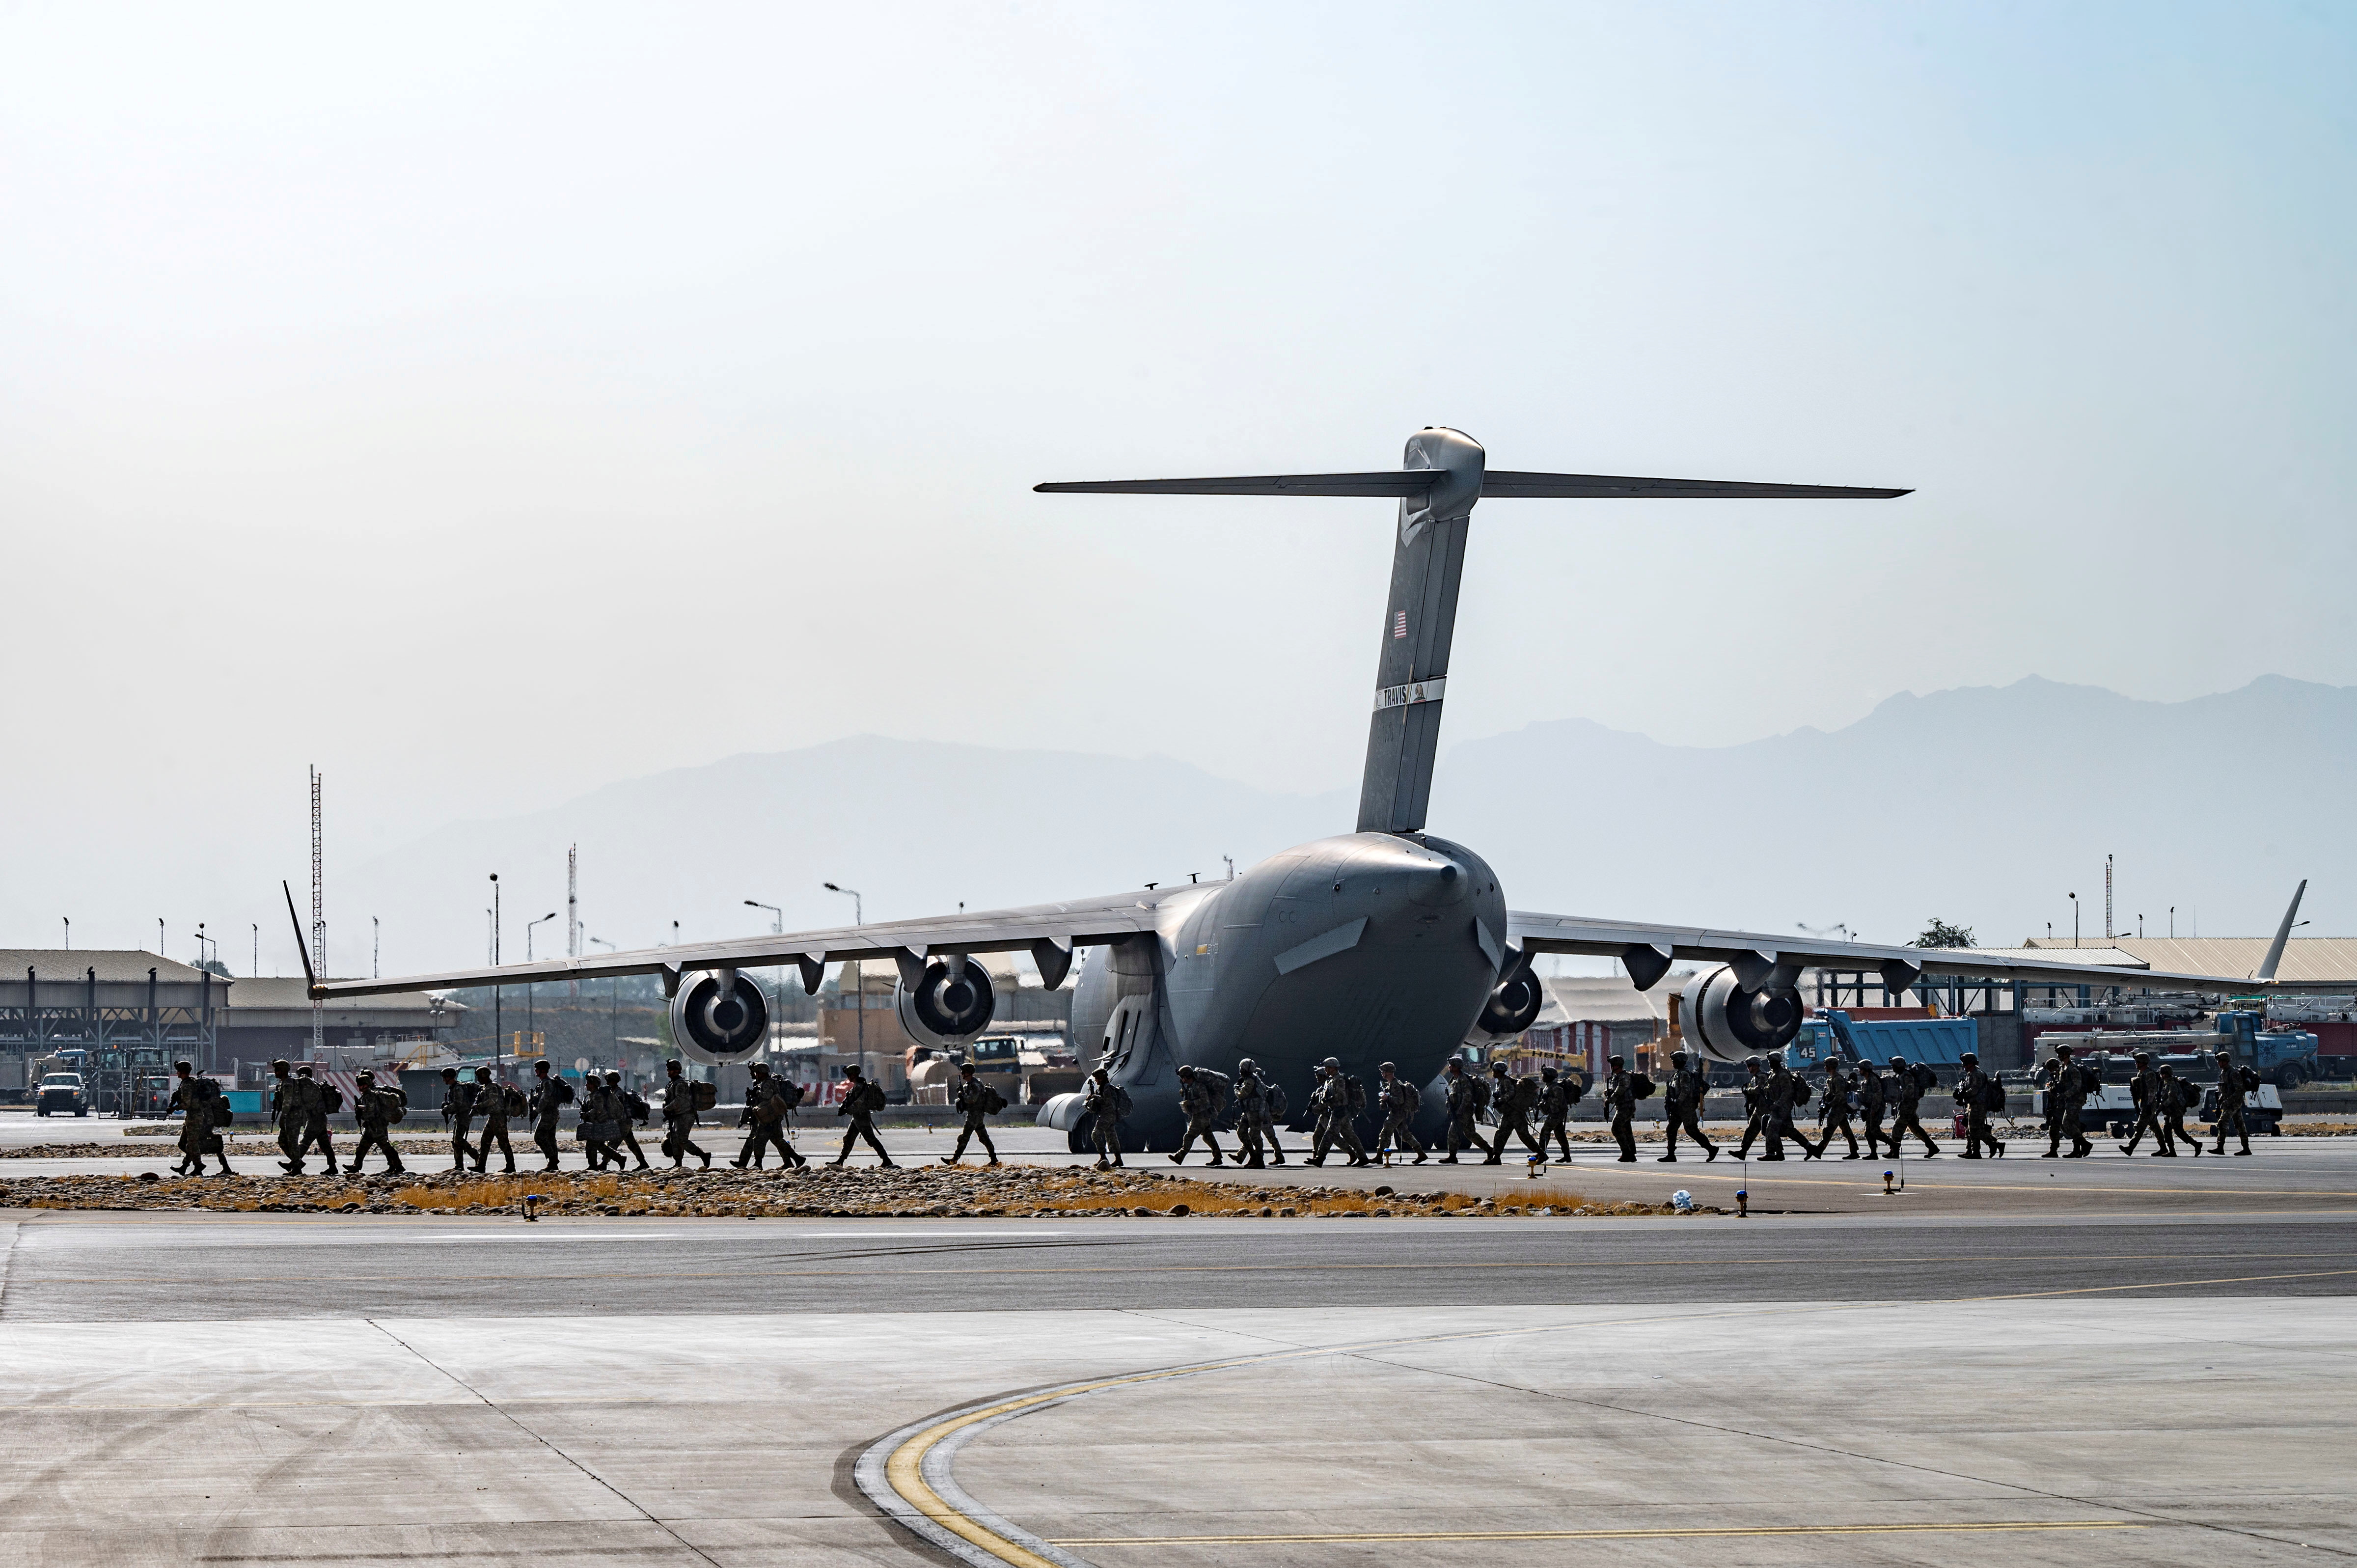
x,y
1830,1033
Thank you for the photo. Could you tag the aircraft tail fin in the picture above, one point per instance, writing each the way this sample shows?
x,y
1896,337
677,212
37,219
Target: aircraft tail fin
x,y
2283,934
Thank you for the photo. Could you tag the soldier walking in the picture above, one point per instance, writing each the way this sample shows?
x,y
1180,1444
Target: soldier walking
x,y
1256,1114
1511,1098
2177,1097
2065,1085
198,1099
679,1116
492,1099
1199,1097
862,1098
1557,1095
1907,1091
1873,1098
629,1108
1976,1092
977,1099
600,1127
373,1107
1785,1092
458,1111
1338,1100
1620,1104
2144,1093
1464,1104
2231,1089
291,1100
1833,1112
1108,1106
1688,1087
549,1094
1755,1106
1398,1100
767,1123
312,1096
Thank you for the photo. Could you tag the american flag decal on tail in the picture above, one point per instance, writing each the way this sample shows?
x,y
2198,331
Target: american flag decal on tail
x,y
1399,625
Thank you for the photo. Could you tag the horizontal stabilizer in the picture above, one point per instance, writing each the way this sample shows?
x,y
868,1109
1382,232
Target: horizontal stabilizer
x,y
1510,483
1398,483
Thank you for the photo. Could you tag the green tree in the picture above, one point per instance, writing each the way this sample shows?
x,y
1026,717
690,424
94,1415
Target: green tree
x,y
1939,934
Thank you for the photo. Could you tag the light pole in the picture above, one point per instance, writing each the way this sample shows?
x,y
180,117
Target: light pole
x,y
778,975
527,986
858,987
499,992
256,970
68,921
159,935
376,948
2074,922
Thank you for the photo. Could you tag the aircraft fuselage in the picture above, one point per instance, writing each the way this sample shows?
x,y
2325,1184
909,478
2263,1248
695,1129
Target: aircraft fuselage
x,y
1367,947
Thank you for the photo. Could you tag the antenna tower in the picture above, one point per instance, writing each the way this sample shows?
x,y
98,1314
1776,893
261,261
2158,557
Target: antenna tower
x,y
573,910
318,924
2107,899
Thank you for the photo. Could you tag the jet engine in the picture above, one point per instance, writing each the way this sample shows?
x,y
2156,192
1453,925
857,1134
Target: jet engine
x,y
1728,1021
1514,1003
719,1017
946,1006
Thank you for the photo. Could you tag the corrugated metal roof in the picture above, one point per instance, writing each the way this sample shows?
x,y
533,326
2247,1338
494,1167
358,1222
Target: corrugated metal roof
x,y
2331,960
115,966
1593,999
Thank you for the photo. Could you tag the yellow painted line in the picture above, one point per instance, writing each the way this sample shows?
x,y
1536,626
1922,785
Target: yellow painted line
x,y
1405,1536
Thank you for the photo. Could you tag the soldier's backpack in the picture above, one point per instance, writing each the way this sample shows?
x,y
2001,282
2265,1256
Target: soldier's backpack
x,y
1356,1092
993,1103
1480,1093
1993,1095
793,1094
2248,1077
707,1095
331,1099
212,1105
396,1100
1644,1087
1223,1088
1521,1093
512,1098
1801,1093
1926,1080
636,1104
1411,1094
1272,1095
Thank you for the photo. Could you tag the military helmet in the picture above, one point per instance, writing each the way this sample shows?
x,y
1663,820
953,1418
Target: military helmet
x,y
1388,1066
184,1067
482,1075
1969,1056
1247,1065
305,1070
613,1080
280,1065
1335,1063
1455,1065
1547,1072
1498,1068
1099,1073
450,1074
1677,1056
851,1071
1898,1062
366,1074
2143,1055
1618,1061
967,1067
1184,1071
2167,1070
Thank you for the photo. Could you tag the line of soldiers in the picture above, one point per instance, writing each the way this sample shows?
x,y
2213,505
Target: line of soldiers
x,y
2162,1098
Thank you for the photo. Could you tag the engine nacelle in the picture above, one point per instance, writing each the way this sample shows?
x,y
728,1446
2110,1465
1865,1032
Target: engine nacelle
x,y
1514,1003
719,1024
1727,1023
946,1007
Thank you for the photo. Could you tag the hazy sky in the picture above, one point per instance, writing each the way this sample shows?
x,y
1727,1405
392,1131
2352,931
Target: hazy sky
x,y
486,403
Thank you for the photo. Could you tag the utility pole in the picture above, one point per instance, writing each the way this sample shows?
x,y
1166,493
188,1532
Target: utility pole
x,y
2107,901
256,970
499,992
376,948
528,987
68,921
613,1006
2074,922
573,911
858,981
318,924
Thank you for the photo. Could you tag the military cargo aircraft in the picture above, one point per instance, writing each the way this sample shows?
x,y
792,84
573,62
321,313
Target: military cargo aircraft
x,y
1384,943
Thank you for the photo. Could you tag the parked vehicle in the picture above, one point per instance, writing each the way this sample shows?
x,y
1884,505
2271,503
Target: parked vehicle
x,y
59,1094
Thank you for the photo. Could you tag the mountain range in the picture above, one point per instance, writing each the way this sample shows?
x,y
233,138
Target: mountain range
x,y
1982,806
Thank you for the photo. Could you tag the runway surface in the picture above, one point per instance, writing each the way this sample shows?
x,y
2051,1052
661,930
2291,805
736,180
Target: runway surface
x,y
132,1268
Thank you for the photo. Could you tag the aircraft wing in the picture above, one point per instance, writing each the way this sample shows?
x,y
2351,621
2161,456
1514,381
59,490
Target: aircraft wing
x,y
1048,931
1648,951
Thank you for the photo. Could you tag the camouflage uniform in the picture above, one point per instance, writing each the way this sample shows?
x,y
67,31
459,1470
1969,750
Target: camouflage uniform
x,y
458,1109
1972,1095
1106,1103
2230,1105
1199,1097
765,1108
1254,1122
1873,1094
859,1103
198,1136
373,1107
287,1108
601,1109
628,1118
1755,1106
2065,1084
2144,1092
2177,1097
1510,1099
679,1118
1620,1105
1337,1119
1557,1095
311,1095
1399,1099
1464,1104
546,1109
1689,1085
492,1099
1786,1087
1907,1117
972,1098
1833,1110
